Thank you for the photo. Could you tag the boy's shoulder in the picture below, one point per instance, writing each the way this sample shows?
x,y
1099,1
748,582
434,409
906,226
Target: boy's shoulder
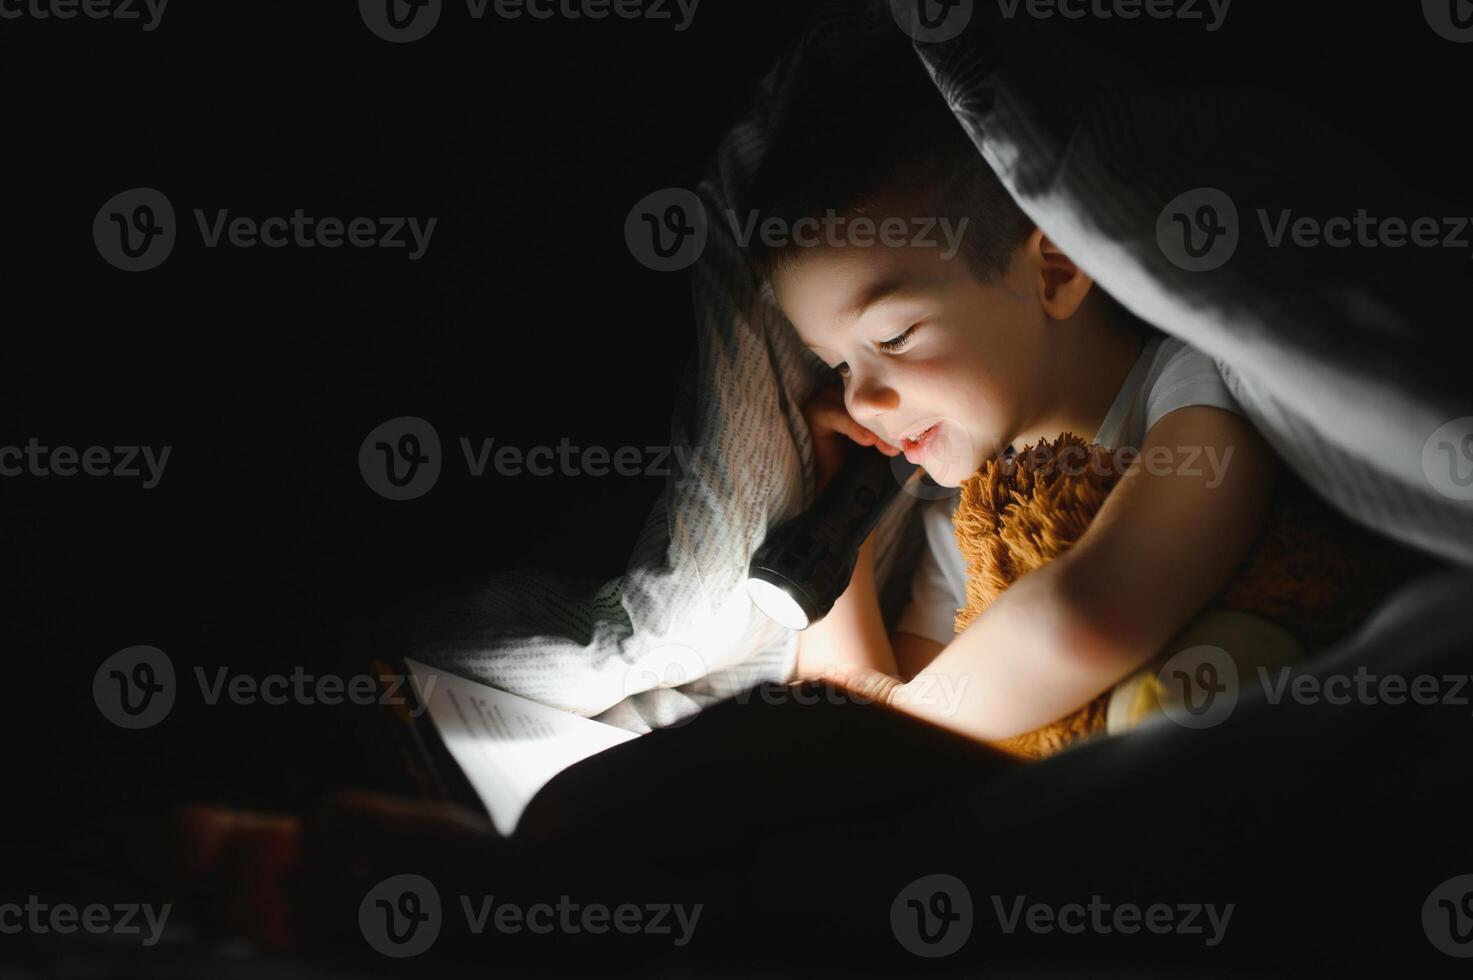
x,y
1181,375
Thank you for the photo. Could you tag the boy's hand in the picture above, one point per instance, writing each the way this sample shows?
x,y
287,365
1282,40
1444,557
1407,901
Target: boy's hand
x,y
867,684
834,430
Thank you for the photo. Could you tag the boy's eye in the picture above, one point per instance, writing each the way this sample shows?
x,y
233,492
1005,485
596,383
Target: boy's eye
x,y
892,346
897,343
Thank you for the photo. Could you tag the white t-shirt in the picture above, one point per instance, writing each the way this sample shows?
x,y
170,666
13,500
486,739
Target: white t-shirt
x,y
1169,374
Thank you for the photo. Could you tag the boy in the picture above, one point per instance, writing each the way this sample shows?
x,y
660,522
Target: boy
x,y
956,357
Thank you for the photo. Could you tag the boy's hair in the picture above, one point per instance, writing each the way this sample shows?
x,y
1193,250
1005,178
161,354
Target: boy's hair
x,y
867,124
871,123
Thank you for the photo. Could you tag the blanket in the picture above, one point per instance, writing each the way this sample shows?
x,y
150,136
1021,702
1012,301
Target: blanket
x,y
1337,355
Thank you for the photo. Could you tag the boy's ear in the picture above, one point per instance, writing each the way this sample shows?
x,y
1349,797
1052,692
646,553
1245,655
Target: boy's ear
x,y
1061,284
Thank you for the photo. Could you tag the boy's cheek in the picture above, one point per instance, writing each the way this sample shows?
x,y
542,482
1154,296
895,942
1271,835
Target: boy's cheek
x,y
953,457
945,479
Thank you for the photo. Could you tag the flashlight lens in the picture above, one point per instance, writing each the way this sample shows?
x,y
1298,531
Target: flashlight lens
x,y
777,604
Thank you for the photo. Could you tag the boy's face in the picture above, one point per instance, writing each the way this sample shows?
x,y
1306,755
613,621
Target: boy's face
x,y
919,341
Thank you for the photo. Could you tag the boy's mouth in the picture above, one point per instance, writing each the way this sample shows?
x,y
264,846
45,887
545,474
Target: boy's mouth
x,y
915,446
915,436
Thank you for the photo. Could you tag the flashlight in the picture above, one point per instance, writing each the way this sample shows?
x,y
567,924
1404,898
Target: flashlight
x,y
803,566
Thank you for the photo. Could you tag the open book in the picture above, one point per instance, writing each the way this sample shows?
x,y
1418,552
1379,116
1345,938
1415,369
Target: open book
x,y
508,746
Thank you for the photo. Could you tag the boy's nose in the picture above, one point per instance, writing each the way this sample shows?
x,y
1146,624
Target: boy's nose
x,y
869,399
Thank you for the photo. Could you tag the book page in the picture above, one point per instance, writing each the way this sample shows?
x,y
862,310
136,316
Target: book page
x,y
508,746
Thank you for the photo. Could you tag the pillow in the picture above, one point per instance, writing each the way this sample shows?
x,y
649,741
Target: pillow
x,y
1341,357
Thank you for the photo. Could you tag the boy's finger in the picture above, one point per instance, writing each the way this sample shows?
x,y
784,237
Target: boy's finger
x,y
827,416
872,438
838,421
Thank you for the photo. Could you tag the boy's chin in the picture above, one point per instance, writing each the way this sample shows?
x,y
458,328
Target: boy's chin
x,y
947,474
952,458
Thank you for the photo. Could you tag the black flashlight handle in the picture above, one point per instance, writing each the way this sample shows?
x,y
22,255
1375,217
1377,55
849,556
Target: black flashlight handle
x,y
851,504
813,554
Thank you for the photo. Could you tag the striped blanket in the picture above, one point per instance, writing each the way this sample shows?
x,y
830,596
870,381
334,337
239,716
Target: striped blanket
x,y
1336,358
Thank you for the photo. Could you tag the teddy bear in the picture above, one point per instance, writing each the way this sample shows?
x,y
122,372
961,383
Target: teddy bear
x,y
1311,577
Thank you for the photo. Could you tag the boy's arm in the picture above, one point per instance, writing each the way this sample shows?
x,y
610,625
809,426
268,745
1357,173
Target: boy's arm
x,y
913,652
1166,540
852,635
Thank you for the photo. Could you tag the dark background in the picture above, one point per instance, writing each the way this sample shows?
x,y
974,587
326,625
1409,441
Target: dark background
x,y
527,321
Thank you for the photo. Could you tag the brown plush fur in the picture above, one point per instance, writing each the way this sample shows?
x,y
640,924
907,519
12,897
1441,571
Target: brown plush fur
x,y
1311,570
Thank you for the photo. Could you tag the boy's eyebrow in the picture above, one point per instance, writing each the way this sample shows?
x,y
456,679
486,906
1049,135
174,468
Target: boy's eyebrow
x,y
874,293
898,284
